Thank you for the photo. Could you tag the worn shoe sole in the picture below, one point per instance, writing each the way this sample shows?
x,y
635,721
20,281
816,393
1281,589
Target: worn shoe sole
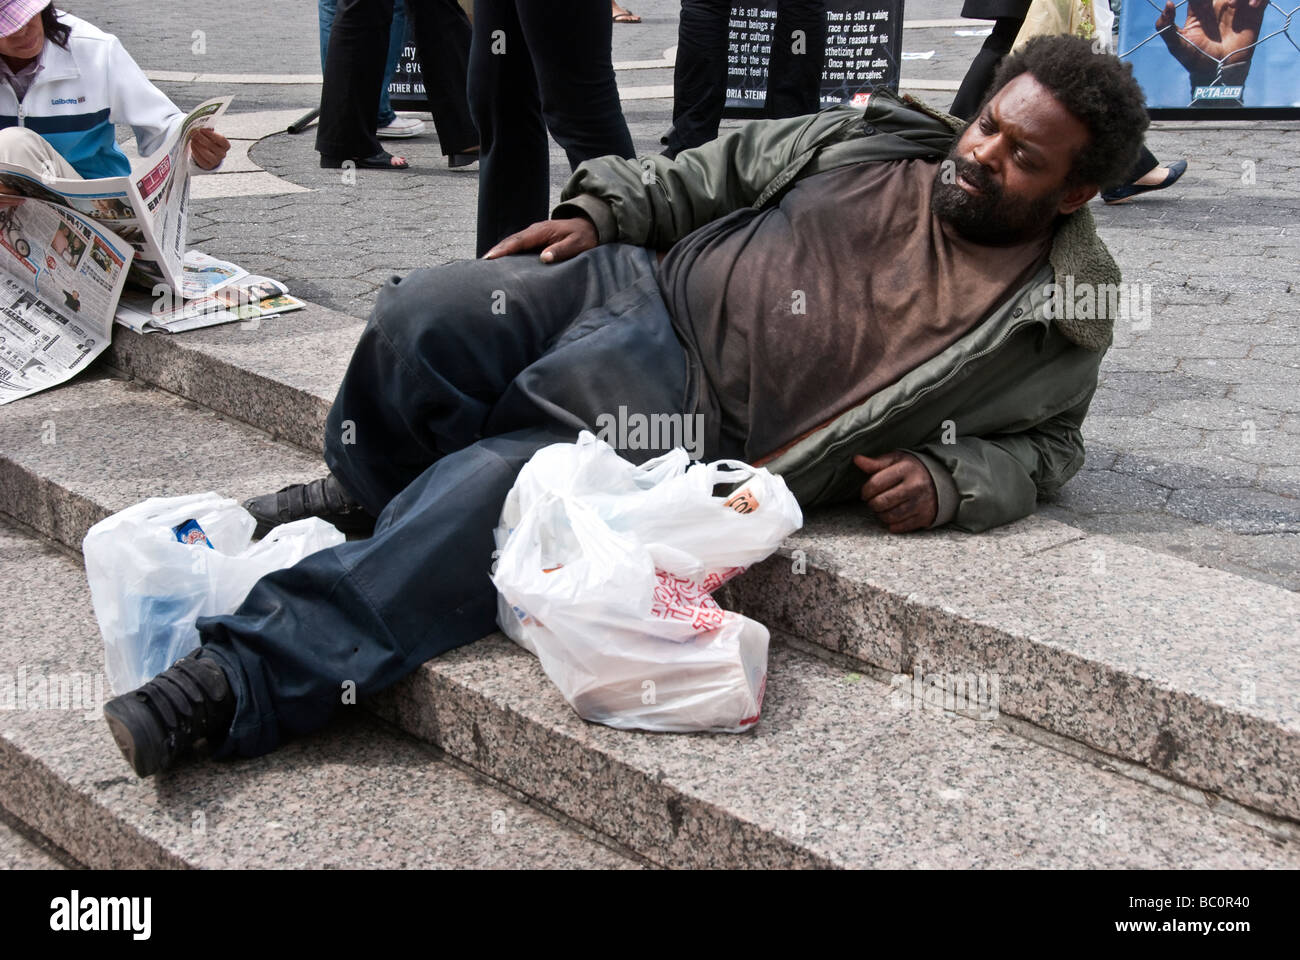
x,y
400,133
128,719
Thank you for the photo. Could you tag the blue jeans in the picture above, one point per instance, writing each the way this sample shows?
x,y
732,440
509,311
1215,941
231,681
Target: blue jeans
x,y
462,373
396,40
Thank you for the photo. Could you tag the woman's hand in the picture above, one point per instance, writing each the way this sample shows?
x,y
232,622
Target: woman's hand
x,y
208,147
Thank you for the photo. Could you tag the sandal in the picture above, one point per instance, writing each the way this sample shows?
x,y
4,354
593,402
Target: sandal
x,y
383,160
623,16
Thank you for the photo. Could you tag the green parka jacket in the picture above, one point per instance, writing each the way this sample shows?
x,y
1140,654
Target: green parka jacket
x,y
995,417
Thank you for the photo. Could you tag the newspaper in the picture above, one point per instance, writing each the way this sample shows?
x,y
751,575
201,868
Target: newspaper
x,y
224,293
68,247
203,274
149,211
61,275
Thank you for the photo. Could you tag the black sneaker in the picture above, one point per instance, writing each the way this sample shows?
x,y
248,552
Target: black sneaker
x,y
324,498
185,710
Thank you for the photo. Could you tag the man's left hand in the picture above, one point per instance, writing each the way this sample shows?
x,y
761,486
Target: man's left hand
x,y
208,147
899,490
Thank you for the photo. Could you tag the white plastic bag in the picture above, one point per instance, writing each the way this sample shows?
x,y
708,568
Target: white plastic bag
x,y
605,571
148,588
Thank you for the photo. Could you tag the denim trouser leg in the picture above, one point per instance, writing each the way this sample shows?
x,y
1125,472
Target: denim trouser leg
x,y
445,400
396,40
325,19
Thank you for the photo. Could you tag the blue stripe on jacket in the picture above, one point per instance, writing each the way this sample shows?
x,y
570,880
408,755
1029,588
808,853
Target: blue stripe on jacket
x,y
88,141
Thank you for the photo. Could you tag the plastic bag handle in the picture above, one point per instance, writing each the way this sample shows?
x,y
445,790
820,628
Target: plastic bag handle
x,y
731,471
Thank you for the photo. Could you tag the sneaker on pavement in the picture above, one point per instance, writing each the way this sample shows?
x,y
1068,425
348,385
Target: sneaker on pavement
x,y
401,128
324,498
185,711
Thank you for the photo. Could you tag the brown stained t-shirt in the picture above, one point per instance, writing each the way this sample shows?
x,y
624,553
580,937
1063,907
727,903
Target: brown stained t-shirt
x,y
803,310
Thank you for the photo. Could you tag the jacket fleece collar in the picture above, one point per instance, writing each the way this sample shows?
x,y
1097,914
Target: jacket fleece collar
x,y
1077,251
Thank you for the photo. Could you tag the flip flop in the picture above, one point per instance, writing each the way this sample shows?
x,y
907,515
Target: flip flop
x,y
626,17
383,160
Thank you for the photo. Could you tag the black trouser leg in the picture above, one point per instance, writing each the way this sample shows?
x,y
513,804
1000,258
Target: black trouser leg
x,y
570,44
1146,162
442,37
700,74
513,174
534,66
979,76
794,72
354,71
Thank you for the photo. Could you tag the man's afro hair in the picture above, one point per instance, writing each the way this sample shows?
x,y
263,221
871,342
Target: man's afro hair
x,y
1099,89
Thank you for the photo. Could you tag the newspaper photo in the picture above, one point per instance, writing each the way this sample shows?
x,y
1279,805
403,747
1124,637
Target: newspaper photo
x,y
224,293
61,278
149,210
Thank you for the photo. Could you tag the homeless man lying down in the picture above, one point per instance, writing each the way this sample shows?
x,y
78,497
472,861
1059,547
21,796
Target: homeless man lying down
x,y
859,298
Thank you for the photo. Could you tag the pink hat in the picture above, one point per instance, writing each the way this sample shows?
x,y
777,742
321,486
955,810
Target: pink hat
x,y
15,14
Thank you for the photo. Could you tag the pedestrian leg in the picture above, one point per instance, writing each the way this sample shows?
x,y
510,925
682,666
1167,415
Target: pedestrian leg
x,y
699,75
794,73
569,42
514,184
442,38
354,67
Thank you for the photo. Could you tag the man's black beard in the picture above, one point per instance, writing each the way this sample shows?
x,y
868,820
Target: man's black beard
x,y
990,217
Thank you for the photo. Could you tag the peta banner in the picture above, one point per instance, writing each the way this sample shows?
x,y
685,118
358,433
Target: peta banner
x,y
1214,59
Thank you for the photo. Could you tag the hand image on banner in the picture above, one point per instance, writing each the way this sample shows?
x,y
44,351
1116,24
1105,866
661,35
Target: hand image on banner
x,y
1224,54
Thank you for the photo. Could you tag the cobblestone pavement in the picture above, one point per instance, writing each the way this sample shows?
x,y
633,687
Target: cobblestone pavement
x,y
1194,435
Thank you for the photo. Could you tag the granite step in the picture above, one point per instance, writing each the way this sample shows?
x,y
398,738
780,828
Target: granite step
x,y
20,849
361,795
279,373
1189,671
843,770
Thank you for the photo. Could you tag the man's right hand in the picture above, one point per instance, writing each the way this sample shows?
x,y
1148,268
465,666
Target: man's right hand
x,y
560,240
9,197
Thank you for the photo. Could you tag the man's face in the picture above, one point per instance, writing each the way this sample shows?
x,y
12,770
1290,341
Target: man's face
x,y
1007,178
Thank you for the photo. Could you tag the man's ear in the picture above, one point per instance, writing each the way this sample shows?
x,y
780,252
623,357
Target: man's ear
x,y
1075,197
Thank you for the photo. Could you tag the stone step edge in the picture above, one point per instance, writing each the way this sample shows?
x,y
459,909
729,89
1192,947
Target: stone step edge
x,y
187,366
54,812
75,821
482,719
35,505
757,595
562,818
74,810
749,840
1284,828
38,840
